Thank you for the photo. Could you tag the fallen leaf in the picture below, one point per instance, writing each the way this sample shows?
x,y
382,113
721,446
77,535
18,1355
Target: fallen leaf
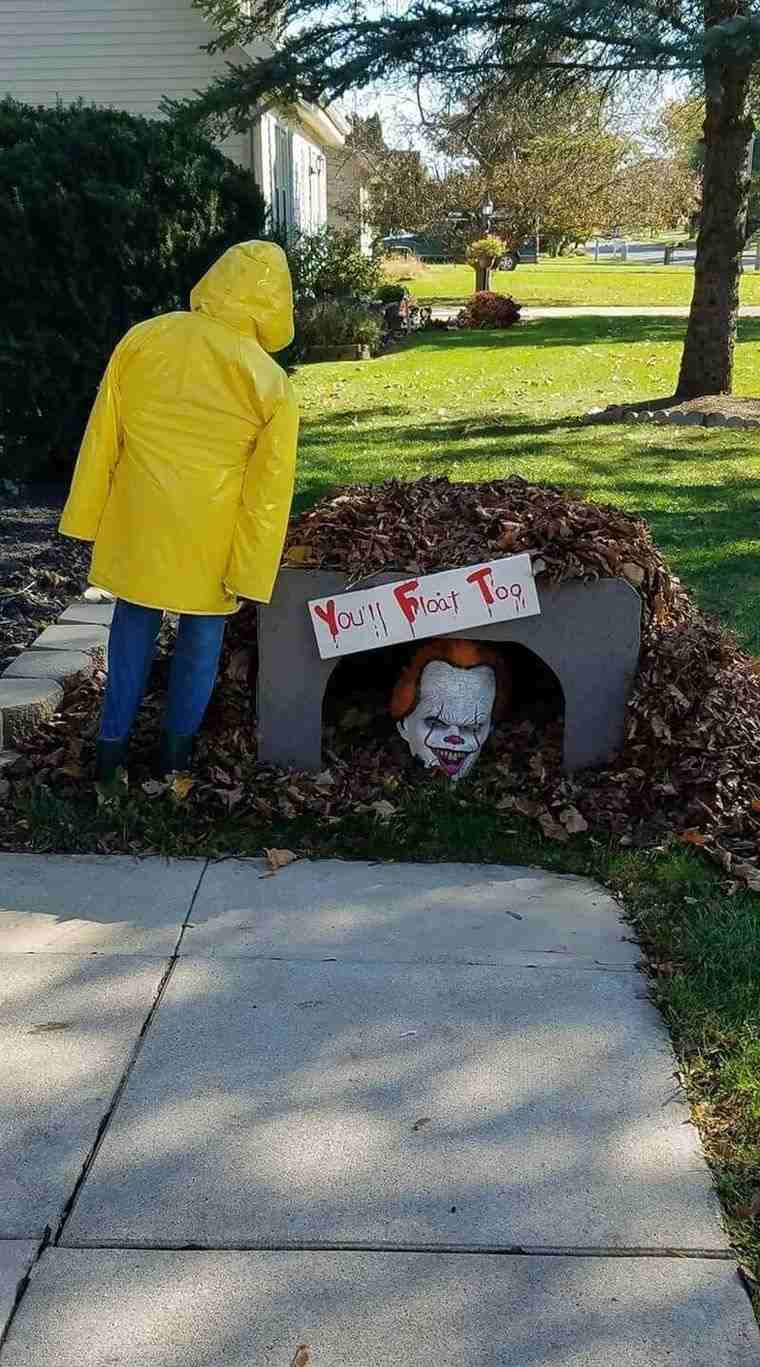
x,y
298,555
573,822
383,809
749,874
633,573
230,797
181,786
692,837
751,1210
72,769
526,806
279,859
301,1356
153,788
552,829
666,968
537,767
239,666
420,1124
49,1027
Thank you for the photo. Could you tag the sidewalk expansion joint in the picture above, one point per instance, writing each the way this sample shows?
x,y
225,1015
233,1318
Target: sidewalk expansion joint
x,y
375,1246
121,1085
22,1287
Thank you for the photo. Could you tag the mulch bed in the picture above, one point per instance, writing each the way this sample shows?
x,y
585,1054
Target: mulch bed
x,y
729,405
690,767
40,571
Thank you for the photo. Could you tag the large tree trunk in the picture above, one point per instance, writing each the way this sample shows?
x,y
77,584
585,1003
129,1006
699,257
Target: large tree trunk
x,y
708,355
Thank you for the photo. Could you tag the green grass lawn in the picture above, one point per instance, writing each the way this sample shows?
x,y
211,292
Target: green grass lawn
x,y
576,282
481,406
485,405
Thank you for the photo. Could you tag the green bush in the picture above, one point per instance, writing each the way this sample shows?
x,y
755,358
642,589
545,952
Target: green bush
x,y
392,293
329,265
105,219
335,322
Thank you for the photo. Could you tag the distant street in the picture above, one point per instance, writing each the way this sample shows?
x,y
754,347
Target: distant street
x,y
653,253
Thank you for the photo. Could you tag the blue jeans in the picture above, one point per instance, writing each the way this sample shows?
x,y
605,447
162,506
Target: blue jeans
x,y
134,632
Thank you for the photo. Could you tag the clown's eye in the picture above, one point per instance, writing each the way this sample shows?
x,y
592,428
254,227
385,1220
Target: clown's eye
x,y
434,721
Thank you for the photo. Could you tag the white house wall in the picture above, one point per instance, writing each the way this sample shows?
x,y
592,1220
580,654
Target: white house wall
x,y
291,169
127,54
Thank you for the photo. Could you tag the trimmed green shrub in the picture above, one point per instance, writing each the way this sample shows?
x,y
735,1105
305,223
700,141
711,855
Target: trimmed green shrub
x,y
105,219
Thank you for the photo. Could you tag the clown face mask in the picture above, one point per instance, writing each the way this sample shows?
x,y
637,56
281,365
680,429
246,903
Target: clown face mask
x,y
453,716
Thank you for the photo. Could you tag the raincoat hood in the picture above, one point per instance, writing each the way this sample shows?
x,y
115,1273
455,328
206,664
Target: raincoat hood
x,y
249,289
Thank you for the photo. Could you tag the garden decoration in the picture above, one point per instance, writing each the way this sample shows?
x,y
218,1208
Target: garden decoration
x,y
483,255
659,735
445,703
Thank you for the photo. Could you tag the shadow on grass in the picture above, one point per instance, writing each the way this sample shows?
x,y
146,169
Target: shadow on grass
x,y
585,330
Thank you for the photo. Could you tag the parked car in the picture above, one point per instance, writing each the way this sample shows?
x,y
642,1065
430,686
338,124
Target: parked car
x,y
434,249
524,255
426,247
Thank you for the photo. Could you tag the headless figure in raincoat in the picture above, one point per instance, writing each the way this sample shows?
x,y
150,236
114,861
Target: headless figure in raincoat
x,y
184,482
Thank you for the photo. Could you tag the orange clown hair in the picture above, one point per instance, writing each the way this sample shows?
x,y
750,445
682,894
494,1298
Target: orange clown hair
x,y
460,654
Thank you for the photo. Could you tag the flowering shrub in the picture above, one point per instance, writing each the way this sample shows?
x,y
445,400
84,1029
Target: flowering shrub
x,y
491,247
489,310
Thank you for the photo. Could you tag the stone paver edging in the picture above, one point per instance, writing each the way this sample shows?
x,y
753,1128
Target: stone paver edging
x,y
673,417
32,686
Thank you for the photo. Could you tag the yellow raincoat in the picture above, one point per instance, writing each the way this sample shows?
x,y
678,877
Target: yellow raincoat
x,y
185,476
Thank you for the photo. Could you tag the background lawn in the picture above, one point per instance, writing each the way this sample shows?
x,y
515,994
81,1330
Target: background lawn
x,y
485,405
576,282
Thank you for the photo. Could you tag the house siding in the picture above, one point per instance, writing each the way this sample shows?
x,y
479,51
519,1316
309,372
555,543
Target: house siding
x,y
131,54
292,172
127,54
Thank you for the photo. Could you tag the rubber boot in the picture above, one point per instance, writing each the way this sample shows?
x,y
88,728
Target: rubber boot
x,y
175,753
110,755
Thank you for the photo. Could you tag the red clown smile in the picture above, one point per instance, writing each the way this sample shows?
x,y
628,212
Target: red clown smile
x,y
451,761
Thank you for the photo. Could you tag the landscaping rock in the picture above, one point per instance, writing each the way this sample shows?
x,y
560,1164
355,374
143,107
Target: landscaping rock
x,y
24,703
61,665
736,423
72,636
716,420
89,614
689,419
663,416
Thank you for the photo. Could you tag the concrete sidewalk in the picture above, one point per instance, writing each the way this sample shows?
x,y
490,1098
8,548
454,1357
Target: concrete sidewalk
x,y
404,1114
529,312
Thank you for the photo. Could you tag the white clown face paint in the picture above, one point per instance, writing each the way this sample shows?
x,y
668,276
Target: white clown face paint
x,y
452,719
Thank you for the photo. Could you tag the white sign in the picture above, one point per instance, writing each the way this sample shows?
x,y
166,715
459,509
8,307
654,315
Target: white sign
x,y
428,605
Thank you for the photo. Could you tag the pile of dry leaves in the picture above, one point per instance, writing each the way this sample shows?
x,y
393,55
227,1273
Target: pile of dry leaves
x,y
432,524
690,766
